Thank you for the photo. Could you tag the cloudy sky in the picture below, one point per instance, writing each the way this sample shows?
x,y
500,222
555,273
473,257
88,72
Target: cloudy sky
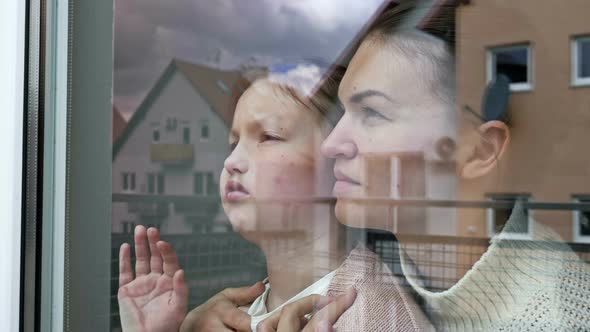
x,y
225,33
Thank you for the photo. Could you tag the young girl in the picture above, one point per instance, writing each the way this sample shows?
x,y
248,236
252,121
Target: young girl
x,y
275,165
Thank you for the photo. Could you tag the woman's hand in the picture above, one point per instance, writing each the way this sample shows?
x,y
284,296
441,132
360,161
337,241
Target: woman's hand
x,y
221,312
292,317
157,298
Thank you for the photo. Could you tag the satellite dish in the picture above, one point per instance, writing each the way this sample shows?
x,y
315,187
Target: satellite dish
x,y
495,100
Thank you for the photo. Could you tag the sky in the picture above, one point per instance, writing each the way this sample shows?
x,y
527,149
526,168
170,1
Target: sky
x,y
225,34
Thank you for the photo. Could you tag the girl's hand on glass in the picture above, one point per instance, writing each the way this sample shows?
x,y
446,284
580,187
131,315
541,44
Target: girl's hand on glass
x,y
292,318
156,298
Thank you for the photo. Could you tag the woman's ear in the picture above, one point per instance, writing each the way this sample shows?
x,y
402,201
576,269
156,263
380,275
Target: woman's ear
x,y
487,149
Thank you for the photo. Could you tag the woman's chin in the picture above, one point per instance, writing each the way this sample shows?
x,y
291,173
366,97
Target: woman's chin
x,y
357,215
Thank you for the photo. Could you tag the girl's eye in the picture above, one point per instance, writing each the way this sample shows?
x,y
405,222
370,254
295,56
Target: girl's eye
x,y
266,137
232,146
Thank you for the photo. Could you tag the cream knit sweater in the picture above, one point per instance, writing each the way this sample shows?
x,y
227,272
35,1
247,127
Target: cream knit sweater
x,y
382,304
539,285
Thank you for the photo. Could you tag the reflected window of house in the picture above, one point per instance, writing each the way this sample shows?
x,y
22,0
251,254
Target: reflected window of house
x,y
582,220
498,216
160,183
204,183
186,135
204,131
155,183
581,60
156,135
513,61
128,227
211,185
128,181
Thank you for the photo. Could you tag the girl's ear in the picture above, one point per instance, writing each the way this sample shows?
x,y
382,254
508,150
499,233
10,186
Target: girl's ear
x,y
486,150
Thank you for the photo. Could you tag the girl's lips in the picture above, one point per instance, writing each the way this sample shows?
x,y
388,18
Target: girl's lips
x,y
236,196
235,191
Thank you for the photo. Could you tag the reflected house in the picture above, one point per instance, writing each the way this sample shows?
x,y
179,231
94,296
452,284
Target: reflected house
x,y
119,124
167,162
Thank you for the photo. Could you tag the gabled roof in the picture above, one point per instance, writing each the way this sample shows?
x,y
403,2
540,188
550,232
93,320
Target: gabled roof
x,y
219,88
119,123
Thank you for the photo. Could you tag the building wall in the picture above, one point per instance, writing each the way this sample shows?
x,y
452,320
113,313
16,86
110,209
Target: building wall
x,y
178,100
548,155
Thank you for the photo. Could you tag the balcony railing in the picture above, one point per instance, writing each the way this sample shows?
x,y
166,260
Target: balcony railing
x,y
172,153
154,209
201,207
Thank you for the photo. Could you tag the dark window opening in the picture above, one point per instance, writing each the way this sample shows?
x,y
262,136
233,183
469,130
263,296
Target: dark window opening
x,y
514,63
204,131
186,135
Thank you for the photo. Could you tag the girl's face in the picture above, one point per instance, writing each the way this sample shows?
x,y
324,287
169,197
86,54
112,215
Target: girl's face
x,y
275,154
390,109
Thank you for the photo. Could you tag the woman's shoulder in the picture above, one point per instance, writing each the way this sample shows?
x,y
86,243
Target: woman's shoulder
x,y
382,302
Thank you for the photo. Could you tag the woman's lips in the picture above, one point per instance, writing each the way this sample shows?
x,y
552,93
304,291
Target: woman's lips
x,y
342,187
235,192
344,184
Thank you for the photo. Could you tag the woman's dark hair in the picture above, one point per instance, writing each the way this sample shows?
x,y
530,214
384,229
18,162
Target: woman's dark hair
x,y
425,33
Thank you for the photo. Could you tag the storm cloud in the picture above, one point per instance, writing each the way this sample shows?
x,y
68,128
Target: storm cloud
x,y
225,34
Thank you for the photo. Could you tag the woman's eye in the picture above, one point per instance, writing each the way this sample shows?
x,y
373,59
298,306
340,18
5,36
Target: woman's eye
x,y
371,116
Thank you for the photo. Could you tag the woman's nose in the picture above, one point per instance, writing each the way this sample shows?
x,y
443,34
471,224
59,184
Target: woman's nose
x,y
235,164
339,144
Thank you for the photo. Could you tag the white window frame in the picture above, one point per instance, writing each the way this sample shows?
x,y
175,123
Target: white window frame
x,y
12,37
576,80
491,216
576,220
491,65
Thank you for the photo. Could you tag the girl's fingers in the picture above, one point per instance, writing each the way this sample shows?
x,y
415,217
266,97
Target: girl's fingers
x,y
125,270
156,258
170,259
180,288
142,252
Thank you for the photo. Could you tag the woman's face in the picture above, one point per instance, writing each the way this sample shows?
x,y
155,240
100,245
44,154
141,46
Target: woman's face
x,y
275,154
390,109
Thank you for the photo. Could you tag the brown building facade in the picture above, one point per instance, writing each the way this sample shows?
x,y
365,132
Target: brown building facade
x,y
548,159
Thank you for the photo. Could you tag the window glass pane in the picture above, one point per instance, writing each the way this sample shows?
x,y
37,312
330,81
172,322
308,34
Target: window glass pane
x,y
584,58
513,63
125,181
186,135
212,188
204,131
151,183
260,140
161,183
585,223
199,183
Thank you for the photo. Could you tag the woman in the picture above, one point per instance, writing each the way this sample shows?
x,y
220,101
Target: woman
x,y
275,165
398,96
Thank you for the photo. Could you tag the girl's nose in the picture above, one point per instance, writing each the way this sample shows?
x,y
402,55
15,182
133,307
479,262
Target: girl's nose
x,y
235,164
